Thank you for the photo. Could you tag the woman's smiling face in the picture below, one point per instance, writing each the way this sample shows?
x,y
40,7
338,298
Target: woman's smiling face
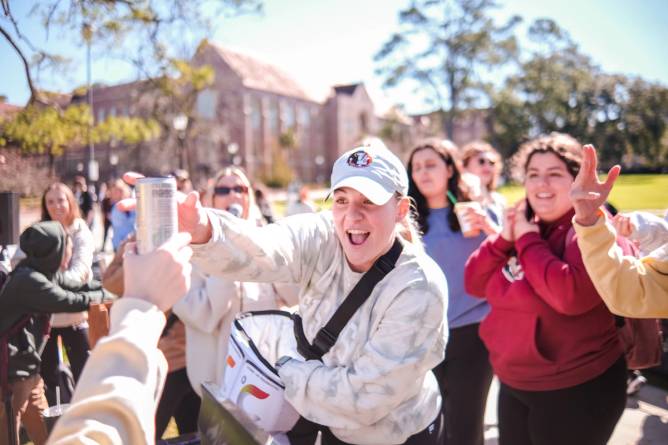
x,y
547,184
366,230
483,165
230,190
57,206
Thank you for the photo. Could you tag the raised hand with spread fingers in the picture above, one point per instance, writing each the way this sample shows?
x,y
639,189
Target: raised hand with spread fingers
x,y
588,194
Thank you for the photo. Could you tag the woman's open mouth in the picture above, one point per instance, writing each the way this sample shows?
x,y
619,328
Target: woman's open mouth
x,y
544,195
357,237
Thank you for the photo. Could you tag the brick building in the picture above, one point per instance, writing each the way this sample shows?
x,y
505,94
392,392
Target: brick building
x,y
253,115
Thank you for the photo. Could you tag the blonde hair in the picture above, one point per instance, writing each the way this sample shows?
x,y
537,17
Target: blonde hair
x,y
407,228
253,210
74,212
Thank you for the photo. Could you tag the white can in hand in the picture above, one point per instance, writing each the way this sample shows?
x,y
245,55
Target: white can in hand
x,y
156,212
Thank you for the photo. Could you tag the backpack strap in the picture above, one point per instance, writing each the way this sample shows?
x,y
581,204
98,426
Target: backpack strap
x,y
327,336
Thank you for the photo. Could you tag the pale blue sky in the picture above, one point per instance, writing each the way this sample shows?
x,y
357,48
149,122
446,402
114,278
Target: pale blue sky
x,y
326,42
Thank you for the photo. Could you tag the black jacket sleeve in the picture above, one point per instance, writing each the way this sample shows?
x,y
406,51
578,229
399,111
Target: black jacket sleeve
x,y
39,294
74,285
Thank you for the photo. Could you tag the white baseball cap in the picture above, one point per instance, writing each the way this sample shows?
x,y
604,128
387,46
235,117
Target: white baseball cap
x,y
371,169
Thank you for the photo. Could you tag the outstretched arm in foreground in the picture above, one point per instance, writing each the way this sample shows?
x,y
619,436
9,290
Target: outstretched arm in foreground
x,y
629,286
117,394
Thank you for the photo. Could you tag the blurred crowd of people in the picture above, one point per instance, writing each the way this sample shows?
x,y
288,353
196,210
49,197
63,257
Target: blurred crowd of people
x,y
525,291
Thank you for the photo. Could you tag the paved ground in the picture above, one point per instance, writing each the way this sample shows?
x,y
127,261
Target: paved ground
x,y
644,422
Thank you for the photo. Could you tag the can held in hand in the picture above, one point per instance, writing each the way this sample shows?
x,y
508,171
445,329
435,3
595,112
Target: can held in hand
x,y
156,212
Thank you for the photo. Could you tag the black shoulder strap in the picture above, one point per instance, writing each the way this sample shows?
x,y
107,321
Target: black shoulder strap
x,y
328,335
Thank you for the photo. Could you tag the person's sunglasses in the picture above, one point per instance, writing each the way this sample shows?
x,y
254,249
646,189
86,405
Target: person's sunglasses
x,y
483,161
227,190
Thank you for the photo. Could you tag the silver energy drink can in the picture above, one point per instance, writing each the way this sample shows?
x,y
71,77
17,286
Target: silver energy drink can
x,y
156,212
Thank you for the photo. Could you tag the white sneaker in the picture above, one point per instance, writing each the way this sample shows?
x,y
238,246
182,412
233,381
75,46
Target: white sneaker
x,y
634,383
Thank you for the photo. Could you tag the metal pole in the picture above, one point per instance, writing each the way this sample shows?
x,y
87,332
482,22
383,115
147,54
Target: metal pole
x,y
91,146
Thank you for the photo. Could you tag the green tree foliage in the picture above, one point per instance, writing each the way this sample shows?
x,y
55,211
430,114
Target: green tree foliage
x,y
280,173
288,139
48,130
176,94
558,88
150,35
646,120
147,34
443,47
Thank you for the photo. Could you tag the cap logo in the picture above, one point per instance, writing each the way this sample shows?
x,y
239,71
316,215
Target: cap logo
x,y
359,159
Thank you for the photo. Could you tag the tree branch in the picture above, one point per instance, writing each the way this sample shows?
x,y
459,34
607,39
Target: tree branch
x,y
34,94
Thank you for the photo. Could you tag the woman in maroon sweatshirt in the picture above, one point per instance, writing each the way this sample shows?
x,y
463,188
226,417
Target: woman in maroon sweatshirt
x,y
552,341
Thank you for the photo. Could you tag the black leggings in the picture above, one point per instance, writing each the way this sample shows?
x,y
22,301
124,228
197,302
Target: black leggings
x,y
178,400
306,432
585,414
75,345
464,378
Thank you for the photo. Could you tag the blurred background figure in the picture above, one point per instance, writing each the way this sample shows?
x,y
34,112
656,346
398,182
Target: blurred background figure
x,y
232,191
211,304
59,204
28,297
482,161
106,205
465,375
85,199
183,183
262,201
122,221
302,203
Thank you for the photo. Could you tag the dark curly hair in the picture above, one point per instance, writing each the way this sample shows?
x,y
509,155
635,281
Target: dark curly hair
x,y
455,185
564,146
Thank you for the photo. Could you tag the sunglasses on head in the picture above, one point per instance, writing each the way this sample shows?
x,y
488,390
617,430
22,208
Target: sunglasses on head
x,y
227,190
483,161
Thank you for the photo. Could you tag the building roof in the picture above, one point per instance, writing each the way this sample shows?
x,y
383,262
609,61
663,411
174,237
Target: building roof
x,y
260,75
119,92
346,89
8,109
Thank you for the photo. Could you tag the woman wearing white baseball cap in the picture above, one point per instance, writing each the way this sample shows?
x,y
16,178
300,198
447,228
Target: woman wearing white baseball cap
x,y
368,380
374,386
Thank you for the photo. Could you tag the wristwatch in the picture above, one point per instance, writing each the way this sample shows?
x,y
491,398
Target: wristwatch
x,y
282,361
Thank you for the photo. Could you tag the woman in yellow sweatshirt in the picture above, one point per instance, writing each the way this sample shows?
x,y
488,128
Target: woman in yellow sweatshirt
x,y
629,286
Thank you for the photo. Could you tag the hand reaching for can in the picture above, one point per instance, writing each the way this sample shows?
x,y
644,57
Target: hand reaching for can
x,y
192,216
170,262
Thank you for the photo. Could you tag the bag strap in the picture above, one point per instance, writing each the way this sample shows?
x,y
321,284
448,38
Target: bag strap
x,y
327,336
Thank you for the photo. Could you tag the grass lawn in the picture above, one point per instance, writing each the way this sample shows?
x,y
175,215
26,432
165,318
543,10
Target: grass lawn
x,y
631,192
